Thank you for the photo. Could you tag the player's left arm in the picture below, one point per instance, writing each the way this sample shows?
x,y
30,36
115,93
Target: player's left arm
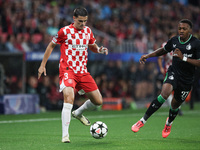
x,y
96,49
178,53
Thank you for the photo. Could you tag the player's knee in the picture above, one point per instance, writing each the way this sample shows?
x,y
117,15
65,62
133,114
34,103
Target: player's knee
x,y
175,104
99,102
68,100
165,95
95,97
166,90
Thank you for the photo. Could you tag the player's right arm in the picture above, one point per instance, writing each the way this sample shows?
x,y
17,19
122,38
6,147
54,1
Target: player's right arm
x,y
158,52
48,51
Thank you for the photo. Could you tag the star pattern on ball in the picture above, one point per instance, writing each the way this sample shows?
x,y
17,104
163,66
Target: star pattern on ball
x,y
98,130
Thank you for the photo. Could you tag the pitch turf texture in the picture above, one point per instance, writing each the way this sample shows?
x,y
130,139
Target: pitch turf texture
x,y
43,131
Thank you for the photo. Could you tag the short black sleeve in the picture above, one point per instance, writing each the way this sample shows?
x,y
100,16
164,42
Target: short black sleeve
x,y
169,46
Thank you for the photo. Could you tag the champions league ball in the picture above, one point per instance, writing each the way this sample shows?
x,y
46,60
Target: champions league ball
x,y
98,130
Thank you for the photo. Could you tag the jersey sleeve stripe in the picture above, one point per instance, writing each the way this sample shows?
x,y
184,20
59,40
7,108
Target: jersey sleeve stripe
x,y
64,30
53,42
164,48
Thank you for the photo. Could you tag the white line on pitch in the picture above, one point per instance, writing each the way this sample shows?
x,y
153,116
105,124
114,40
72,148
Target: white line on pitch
x,y
91,117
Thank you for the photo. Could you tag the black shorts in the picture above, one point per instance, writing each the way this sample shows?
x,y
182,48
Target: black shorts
x,y
181,90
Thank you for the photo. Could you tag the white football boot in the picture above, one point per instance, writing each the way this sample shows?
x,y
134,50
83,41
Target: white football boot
x,y
66,139
82,119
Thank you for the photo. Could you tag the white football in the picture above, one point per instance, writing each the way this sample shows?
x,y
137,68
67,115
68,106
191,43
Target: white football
x,y
98,130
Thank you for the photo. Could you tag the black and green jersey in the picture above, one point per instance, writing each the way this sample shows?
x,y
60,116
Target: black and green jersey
x,y
190,49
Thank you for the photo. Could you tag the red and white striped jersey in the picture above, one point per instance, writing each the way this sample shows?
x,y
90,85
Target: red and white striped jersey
x,y
73,47
167,58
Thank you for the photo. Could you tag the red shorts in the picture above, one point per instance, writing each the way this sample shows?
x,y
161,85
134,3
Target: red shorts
x,y
77,81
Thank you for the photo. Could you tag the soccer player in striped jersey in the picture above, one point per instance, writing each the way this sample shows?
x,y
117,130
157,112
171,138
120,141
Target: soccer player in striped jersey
x,y
74,40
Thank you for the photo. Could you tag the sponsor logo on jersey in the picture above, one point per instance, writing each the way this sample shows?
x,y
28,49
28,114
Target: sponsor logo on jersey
x,y
174,45
187,55
79,46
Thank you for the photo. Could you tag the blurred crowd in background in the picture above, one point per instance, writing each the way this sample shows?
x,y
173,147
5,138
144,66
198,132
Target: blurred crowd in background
x,y
29,25
128,80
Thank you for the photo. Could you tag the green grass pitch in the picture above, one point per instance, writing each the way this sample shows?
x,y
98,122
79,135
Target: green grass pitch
x,y
43,131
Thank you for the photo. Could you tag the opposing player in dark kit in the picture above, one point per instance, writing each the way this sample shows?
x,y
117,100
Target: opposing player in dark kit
x,y
180,75
168,62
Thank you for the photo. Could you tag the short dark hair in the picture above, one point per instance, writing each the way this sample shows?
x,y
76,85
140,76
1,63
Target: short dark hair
x,y
80,11
187,21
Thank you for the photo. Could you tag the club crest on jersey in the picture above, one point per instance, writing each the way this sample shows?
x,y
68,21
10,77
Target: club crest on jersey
x,y
87,37
188,47
70,81
171,77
